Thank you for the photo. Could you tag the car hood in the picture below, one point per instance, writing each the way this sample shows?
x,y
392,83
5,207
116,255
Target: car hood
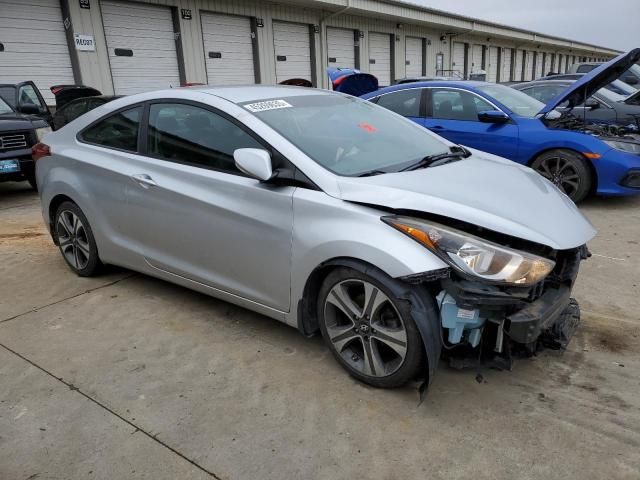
x,y
16,121
483,190
593,81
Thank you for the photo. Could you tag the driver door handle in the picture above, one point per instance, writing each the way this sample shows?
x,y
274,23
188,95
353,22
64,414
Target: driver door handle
x,y
144,180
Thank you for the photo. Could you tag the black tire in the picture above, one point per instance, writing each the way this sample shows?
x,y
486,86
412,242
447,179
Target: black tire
x,y
32,182
567,170
381,327
78,248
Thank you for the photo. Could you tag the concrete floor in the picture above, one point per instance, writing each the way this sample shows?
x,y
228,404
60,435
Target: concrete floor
x,y
124,376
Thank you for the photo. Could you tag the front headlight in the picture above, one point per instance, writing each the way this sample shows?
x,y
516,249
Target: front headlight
x,y
41,132
629,147
474,256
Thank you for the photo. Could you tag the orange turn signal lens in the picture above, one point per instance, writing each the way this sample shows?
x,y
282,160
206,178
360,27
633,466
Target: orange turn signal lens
x,y
592,156
416,234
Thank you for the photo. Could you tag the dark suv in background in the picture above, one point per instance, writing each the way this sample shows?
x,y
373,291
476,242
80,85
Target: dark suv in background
x,y
24,119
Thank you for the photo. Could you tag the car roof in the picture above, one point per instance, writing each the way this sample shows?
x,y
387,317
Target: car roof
x,y
464,84
249,93
544,82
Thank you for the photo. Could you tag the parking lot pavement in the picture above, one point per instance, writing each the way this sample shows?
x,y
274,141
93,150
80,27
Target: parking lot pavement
x,y
147,376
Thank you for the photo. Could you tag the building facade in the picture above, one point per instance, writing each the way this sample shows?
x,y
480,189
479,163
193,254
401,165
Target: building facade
x,y
125,47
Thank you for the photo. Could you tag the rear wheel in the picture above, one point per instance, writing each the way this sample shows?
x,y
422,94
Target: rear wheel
x,y
76,241
369,331
567,170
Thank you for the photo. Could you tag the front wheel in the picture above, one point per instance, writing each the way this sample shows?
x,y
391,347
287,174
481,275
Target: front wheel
x,y
369,330
567,170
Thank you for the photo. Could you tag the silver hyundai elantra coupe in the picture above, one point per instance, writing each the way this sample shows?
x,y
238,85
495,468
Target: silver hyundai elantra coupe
x,y
325,212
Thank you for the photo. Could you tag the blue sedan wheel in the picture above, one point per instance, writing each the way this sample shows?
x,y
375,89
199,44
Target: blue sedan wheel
x,y
567,170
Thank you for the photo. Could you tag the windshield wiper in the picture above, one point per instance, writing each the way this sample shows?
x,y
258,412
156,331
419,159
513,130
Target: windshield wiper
x,y
372,173
455,153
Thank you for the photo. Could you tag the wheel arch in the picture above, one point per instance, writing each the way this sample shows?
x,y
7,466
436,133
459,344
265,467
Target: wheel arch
x,y
422,305
592,169
54,204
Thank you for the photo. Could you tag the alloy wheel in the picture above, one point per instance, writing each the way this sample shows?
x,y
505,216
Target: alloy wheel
x,y
73,239
365,328
561,172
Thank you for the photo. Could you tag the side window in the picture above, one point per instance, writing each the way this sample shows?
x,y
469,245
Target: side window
x,y
119,130
457,105
403,102
189,134
28,96
544,93
585,68
74,110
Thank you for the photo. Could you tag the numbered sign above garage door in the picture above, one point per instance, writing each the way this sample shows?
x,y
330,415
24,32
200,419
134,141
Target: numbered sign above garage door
x,y
380,57
34,46
341,48
142,46
292,47
228,49
414,57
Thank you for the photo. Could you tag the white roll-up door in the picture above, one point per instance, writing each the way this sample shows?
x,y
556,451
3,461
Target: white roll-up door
x,y
517,74
528,65
340,48
476,58
539,65
141,45
458,58
292,46
413,57
228,49
492,65
35,45
548,67
505,74
380,57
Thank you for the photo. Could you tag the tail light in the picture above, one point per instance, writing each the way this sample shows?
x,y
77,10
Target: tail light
x,y
40,150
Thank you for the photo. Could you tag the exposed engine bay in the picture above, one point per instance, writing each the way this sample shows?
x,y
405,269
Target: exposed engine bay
x,y
570,121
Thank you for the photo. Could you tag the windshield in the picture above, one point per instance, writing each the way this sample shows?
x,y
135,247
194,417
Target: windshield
x,y
619,86
4,107
8,94
518,102
610,96
347,135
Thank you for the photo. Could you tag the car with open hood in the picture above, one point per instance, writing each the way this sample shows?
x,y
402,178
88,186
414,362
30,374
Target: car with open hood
x,y
75,100
579,157
24,120
604,107
323,211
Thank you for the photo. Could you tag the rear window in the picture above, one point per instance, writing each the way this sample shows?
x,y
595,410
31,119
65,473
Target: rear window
x,y
119,131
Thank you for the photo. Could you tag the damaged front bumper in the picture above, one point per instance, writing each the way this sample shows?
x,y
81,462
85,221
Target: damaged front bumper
x,y
544,315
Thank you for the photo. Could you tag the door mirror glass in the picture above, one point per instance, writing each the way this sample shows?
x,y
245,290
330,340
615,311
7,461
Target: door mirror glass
x,y
255,162
493,116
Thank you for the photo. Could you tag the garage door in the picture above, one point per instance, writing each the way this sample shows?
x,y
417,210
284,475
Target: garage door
x,y
228,49
548,61
517,74
505,74
292,46
340,48
141,45
492,67
35,45
413,57
457,64
539,65
476,58
528,65
380,57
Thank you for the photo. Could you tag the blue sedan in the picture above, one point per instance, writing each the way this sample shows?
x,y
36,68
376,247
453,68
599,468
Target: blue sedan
x,y
503,121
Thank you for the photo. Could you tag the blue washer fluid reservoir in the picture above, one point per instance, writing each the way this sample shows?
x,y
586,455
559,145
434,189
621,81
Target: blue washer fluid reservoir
x,y
459,320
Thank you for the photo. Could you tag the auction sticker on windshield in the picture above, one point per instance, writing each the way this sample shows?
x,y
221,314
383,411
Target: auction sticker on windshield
x,y
267,105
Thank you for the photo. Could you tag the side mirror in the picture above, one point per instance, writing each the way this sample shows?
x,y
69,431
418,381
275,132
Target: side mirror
x,y
29,109
592,104
255,162
493,116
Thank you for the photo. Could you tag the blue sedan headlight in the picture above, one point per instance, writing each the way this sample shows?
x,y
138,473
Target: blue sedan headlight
x,y
624,146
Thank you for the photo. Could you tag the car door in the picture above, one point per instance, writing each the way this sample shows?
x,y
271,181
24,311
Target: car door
x,y
407,102
453,114
192,213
